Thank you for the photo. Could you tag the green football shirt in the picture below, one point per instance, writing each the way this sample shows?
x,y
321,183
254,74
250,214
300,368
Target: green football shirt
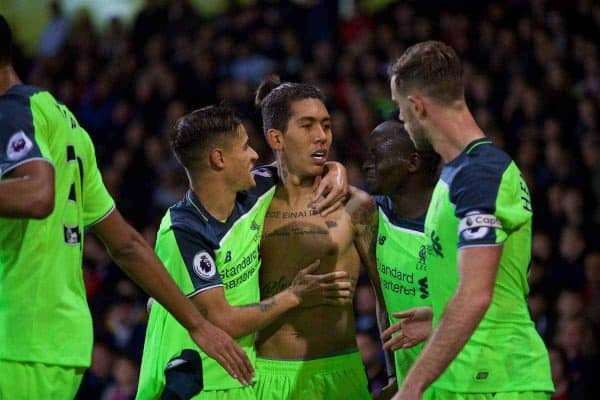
x,y
402,271
201,253
481,199
44,316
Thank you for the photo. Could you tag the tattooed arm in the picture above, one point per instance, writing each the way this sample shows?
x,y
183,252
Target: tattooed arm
x,y
365,219
306,289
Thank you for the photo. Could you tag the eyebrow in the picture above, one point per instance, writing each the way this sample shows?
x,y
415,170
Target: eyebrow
x,y
312,119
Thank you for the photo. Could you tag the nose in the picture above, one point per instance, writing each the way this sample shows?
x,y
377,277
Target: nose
x,y
320,134
253,154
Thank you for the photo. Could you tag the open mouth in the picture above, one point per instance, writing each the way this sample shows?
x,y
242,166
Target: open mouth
x,y
319,156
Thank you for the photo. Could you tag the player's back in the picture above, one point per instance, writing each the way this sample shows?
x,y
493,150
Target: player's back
x,y
42,296
292,239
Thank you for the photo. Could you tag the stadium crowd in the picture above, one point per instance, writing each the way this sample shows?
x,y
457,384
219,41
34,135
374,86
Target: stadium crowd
x,y
532,73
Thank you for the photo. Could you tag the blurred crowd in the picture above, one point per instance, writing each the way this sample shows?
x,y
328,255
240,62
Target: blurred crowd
x,y
532,74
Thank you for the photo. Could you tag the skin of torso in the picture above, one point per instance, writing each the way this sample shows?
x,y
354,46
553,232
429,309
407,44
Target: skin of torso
x,y
293,237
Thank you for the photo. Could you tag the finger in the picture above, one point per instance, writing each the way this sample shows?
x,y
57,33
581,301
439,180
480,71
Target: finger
x,y
317,189
246,366
240,364
338,302
332,208
332,294
391,330
312,267
332,276
339,285
403,314
394,343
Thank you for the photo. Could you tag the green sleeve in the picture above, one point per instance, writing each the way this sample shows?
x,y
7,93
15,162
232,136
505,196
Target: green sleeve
x,y
97,201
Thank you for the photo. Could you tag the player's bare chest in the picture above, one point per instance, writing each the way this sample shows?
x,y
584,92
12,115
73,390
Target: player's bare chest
x,y
304,229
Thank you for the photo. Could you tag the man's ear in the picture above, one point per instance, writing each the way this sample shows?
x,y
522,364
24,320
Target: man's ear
x,y
275,139
216,159
414,163
418,106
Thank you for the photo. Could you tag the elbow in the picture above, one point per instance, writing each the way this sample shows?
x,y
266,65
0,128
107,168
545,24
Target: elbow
x,y
42,205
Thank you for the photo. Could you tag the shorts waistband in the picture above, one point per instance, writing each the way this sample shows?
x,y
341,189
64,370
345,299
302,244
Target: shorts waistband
x,y
347,360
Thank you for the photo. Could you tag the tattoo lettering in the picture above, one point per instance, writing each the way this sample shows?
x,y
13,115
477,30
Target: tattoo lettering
x,y
291,214
263,306
298,231
330,224
271,288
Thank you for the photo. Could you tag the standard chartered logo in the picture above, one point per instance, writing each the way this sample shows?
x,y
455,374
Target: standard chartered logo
x,y
243,270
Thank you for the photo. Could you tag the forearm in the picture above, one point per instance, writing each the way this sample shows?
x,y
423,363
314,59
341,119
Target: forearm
x,y
21,198
462,316
138,260
253,317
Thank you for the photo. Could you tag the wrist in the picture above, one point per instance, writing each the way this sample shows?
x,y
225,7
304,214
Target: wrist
x,y
291,297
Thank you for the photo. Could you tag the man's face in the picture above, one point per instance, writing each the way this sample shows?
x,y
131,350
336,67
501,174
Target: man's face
x,y
412,125
307,138
386,168
239,161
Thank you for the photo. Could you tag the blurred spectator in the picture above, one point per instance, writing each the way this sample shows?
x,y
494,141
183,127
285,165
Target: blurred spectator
x,y
55,33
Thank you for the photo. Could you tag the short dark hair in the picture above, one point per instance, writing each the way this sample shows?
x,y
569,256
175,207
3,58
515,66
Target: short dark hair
x,y
432,67
5,42
275,100
195,132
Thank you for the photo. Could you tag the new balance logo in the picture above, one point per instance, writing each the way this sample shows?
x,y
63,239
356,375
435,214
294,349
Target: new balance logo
x,y
436,245
382,240
423,288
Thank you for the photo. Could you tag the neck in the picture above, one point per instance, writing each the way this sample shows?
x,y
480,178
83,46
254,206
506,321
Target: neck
x,y
453,128
296,188
8,78
412,201
215,195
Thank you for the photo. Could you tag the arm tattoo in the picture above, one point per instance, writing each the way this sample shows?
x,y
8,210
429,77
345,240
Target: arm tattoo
x,y
263,306
273,287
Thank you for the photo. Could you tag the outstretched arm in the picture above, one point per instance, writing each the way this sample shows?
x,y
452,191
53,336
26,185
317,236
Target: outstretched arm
x,y
305,290
131,252
477,273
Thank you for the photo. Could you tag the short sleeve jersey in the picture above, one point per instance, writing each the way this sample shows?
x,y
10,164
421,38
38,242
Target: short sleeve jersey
x,y
44,315
201,253
402,270
481,199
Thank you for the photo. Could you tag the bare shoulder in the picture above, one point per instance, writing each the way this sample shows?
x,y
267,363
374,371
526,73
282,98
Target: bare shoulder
x,y
361,206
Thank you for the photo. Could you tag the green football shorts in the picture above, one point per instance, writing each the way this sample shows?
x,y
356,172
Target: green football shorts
x,y
439,394
241,393
339,377
29,380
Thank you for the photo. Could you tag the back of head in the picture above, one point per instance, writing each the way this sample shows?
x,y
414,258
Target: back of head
x,y
432,68
275,100
5,42
195,133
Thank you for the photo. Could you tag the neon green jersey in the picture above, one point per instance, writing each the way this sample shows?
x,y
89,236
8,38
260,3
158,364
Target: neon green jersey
x,y
201,253
44,316
402,271
482,200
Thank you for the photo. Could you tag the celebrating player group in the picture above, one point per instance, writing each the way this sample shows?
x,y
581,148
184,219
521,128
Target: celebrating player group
x,y
254,270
